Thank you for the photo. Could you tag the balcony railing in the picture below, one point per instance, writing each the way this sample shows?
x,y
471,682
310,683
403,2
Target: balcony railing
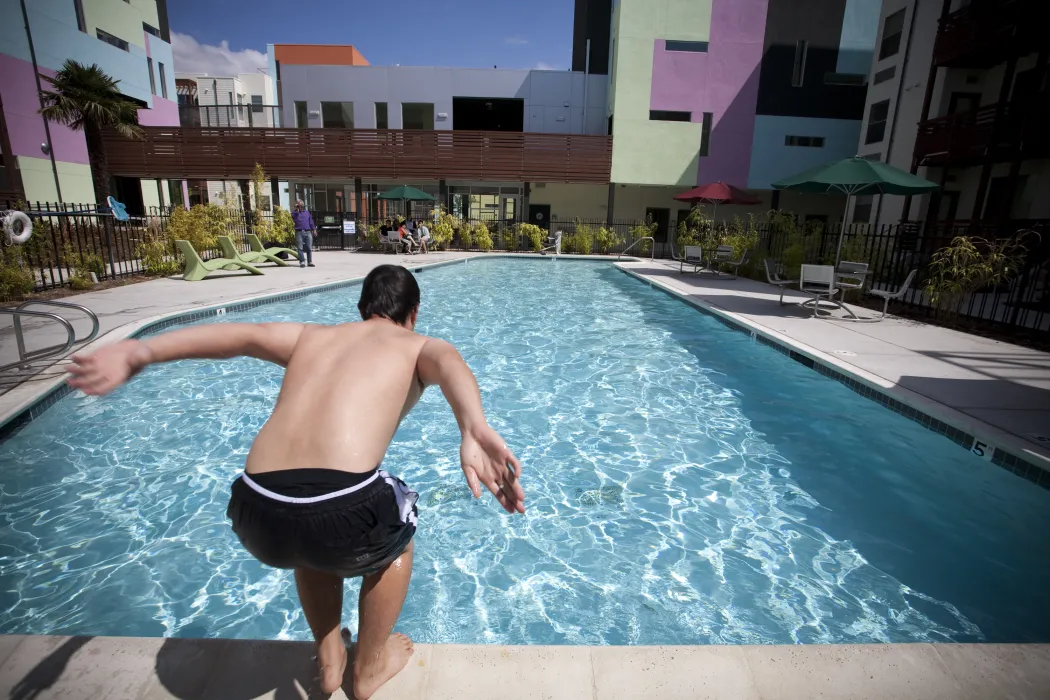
x,y
971,137
231,153
987,32
235,116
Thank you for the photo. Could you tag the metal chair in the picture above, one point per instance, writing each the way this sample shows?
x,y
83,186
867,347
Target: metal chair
x,y
774,275
818,281
693,255
846,269
887,295
735,264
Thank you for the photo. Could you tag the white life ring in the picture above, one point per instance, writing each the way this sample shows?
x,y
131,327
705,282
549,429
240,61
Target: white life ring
x,y
10,220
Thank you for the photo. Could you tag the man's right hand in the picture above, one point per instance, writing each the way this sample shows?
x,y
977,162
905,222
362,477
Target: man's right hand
x,y
486,459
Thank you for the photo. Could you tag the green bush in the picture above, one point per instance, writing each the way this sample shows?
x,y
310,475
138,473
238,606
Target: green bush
x,y
641,230
480,235
970,263
533,234
282,229
443,229
580,241
16,280
605,239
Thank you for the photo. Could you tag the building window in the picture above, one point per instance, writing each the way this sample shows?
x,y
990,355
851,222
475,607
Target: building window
x,y
382,121
152,81
663,115
853,79
301,116
257,104
151,30
804,141
884,75
337,115
877,115
692,46
862,209
892,31
417,115
705,134
798,70
163,81
78,8
112,40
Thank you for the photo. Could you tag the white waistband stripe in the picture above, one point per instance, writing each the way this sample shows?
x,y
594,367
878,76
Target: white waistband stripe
x,y
313,499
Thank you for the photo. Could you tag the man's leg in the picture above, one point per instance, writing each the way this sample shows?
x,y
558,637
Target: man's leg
x,y
299,235
321,596
379,654
309,248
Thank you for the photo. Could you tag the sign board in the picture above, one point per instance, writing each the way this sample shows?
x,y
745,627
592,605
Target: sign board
x,y
350,227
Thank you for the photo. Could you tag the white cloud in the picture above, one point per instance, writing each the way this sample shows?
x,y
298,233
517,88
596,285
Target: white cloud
x,y
191,56
515,41
543,65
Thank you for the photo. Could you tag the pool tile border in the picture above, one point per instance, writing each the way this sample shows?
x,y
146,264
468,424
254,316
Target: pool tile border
x,y
1023,468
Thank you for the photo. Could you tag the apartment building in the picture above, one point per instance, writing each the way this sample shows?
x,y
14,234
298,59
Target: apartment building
x,y
959,96
129,40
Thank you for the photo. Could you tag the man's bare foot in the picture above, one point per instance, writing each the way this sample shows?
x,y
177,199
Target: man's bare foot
x,y
331,664
394,656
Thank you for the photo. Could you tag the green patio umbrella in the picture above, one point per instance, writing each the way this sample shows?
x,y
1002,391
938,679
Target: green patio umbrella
x,y
854,176
406,193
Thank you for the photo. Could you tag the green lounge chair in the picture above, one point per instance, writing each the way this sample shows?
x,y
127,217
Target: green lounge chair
x,y
197,269
257,247
230,251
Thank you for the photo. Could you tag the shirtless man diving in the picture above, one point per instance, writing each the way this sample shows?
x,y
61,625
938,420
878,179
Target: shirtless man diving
x,y
312,497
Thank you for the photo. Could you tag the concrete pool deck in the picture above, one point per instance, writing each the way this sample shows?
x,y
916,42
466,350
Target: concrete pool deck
x,y
116,668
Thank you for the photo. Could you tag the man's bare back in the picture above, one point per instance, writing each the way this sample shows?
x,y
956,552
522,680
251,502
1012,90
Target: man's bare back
x,y
345,391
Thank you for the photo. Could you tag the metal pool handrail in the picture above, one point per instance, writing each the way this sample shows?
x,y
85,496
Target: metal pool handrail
x,y
51,350
652,251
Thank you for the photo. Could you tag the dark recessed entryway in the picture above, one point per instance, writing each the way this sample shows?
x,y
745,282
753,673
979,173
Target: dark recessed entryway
x,y
488,114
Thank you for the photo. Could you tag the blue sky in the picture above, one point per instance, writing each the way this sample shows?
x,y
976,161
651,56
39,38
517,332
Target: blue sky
x,y
462,33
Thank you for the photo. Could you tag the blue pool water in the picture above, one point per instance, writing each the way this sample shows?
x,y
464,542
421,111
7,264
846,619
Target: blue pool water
x,y
686,485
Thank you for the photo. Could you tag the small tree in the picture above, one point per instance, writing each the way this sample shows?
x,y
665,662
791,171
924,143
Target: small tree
x,y
970,263
86,99
444,228
263,225
533,234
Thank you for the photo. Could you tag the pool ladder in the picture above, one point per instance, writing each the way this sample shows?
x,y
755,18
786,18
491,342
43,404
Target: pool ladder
x,y
26,358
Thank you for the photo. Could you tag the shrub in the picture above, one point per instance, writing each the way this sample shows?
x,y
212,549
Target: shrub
x,y
372,236
479,234
16,280
443,228
81,266
157,253
534,234
283,228
640,230
970,263
605,239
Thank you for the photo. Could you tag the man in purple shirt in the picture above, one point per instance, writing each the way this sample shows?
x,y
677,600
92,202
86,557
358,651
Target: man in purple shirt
x,y
304,232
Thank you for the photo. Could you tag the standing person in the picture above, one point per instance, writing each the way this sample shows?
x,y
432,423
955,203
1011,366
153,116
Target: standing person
x,y
312,497
305,229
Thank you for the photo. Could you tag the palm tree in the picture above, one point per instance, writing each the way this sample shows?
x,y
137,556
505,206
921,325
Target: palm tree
x,y
86,99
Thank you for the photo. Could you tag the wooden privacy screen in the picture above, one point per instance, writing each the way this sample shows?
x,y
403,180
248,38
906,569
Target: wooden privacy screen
x,y
201,153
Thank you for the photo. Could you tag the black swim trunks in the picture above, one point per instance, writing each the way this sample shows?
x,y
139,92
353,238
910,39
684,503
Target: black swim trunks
x,y
324,519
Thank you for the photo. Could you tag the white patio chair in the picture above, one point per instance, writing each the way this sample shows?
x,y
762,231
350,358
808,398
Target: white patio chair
x,y
887,295
846,269
818,281
692,255
774,275
391,240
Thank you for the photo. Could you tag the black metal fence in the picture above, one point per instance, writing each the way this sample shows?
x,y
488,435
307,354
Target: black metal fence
x,y
69,239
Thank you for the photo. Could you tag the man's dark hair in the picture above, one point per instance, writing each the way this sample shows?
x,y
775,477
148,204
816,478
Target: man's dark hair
x,y
389,291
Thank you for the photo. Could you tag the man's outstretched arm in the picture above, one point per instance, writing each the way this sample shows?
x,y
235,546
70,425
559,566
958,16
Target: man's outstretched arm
x,y
112,365
484,456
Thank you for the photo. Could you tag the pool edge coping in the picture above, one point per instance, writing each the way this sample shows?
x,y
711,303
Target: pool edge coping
x,y
1008,451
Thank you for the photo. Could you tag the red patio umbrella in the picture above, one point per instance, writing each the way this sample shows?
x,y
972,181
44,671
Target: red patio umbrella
x,y
716,193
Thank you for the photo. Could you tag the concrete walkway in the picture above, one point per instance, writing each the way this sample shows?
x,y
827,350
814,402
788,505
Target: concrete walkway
x,y
989,388
75,668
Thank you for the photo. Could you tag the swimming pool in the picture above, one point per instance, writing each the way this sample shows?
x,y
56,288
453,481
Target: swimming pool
x,y
686,485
